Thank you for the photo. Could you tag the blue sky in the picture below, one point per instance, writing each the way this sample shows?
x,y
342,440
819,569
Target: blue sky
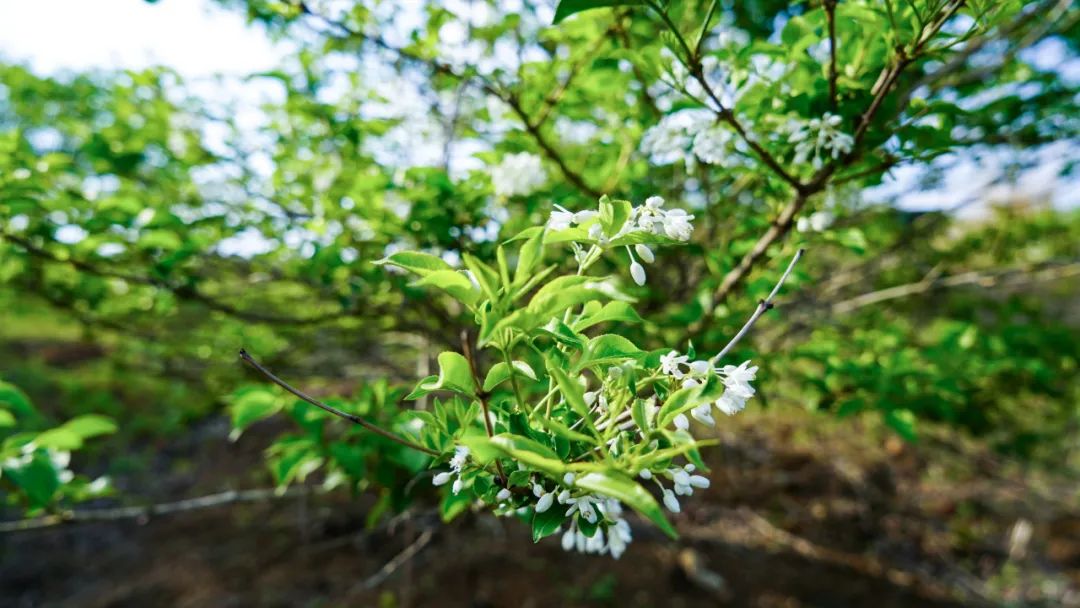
x,y
200,40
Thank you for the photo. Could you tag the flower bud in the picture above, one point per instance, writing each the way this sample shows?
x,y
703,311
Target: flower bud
x,y
644,253
637,271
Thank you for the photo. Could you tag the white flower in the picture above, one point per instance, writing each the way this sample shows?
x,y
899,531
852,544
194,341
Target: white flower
x,y
503,495
618,538
461,454
545,498
713,146
677,225
817,138
584,505
703,414
518,174
562,218
740,376
817,222
685,482
568,479
671,502
700,367
645,474
99,485
731,403
669,364
596,233
737,387
637,271
682,422
568,540
645,253
654,202
457,463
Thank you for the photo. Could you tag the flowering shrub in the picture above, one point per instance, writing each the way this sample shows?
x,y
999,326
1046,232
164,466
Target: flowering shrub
x,y
35,458
566,424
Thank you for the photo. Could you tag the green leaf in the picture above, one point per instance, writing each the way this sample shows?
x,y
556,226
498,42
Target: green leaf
x,y
571,390
90,425
38,480
528,256
414,261
613,214
15,399
560,294
420,389
903,422
455,374
564,431
610,312
522,449
252,406
500,373
485,275
607,349
59,438
7,419
547,523
686,399
618,485
569,7
453,505
452,282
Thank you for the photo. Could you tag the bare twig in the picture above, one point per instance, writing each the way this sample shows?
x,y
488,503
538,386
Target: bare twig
x,y
333,410
762,306
398,560
1003,277
167,508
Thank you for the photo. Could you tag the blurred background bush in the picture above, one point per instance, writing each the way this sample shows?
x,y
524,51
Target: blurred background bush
x,y
916,437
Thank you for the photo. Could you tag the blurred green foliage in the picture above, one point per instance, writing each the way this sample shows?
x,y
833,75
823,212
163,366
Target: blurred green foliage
x,y
148,232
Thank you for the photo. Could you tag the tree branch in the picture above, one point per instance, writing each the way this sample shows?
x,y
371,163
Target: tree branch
x,y
1001,277
167,508
763,306
830,16
333,410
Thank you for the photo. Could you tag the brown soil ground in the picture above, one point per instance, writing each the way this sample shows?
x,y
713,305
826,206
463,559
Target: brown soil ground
x,y
803,511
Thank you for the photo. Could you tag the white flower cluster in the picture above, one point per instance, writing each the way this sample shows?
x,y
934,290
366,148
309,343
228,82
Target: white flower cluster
x,y
614,542
684,482
457,462
650,217
690,136
817,222
591,508
518,175
736,379
818,138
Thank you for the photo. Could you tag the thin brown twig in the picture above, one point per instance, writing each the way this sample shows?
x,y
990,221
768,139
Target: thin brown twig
x,y
333,410
396,562
466,347
830,16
